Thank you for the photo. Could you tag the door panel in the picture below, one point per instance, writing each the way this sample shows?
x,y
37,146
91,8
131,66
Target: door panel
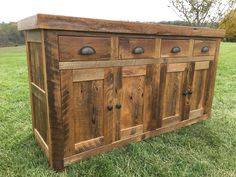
x,y
131,98
88,99
91,122
198,89
172,93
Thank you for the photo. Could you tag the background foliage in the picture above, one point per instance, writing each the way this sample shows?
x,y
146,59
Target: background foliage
x,y
229,24
9,35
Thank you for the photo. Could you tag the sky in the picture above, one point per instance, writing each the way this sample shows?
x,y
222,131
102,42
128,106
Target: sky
x,y
128,10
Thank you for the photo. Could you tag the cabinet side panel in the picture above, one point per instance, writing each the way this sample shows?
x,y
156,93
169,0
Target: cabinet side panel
x,y
36,69
56,148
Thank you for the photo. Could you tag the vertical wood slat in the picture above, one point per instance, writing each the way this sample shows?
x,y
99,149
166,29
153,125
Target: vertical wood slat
x,y
117,85
151,97
56,150
67,111
29,78
108,101
187,85
163,72
210,82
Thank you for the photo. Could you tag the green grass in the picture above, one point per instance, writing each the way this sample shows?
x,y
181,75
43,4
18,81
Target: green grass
x,y
204,149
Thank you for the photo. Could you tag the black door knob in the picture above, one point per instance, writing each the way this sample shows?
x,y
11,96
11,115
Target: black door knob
x,y
185,93
118,106
190,92
109,108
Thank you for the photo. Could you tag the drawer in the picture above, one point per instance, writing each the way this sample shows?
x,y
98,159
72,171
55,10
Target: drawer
x,y
174,48
136,48
204,47
84,48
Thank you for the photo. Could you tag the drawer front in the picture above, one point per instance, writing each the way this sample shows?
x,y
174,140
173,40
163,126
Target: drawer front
x,y
136,48
204,47
84,48
174,48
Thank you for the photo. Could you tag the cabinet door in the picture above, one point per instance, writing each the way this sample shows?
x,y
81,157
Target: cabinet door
x,y
199,89
174,78
129,101
87,98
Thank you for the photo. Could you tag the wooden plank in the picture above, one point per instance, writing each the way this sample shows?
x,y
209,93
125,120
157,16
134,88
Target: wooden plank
x,y
56,150
131,62
202,65
41,142
29,78
127,45
34,36
126,133
38,92
88,74
198,89
196,113
151,97
68,111
136,138
199,44
118,97
46,91
168,44
43,21
163,72
132,103
210,82
89,144
36,64
70,46
167,121
177,67
158,47
88,110
108,101
189,59
129,71
171,95
187,85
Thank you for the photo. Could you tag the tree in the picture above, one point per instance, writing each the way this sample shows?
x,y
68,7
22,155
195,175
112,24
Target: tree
x,y
229,24
9,35
202,12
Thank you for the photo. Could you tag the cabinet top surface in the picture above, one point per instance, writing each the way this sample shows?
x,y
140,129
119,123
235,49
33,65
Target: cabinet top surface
x,y
55,22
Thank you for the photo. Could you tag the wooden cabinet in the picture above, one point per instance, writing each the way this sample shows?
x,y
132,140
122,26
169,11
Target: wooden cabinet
x,y
96,85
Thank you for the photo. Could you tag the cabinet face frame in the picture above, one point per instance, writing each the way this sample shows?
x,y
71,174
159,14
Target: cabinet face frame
x,y
153,124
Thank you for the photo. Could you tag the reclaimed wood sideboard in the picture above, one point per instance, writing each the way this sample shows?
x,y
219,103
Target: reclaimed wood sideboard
x,y
97,84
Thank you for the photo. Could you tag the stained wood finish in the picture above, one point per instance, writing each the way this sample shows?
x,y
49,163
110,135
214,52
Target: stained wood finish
x,y
168,44
36,63
127,46
199,44
70,46
86,104
132,91
56,22
56,148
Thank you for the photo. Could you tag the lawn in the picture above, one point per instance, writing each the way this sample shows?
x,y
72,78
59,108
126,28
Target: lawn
x,y
205,149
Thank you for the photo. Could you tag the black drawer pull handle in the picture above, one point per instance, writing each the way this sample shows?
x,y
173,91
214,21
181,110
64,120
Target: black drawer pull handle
x,y
87,50
118,106
205,49
175,50
138,50
109,108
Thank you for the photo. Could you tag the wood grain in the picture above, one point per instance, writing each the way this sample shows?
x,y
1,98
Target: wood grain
x,y
168,44
69,48
127,45
43,21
